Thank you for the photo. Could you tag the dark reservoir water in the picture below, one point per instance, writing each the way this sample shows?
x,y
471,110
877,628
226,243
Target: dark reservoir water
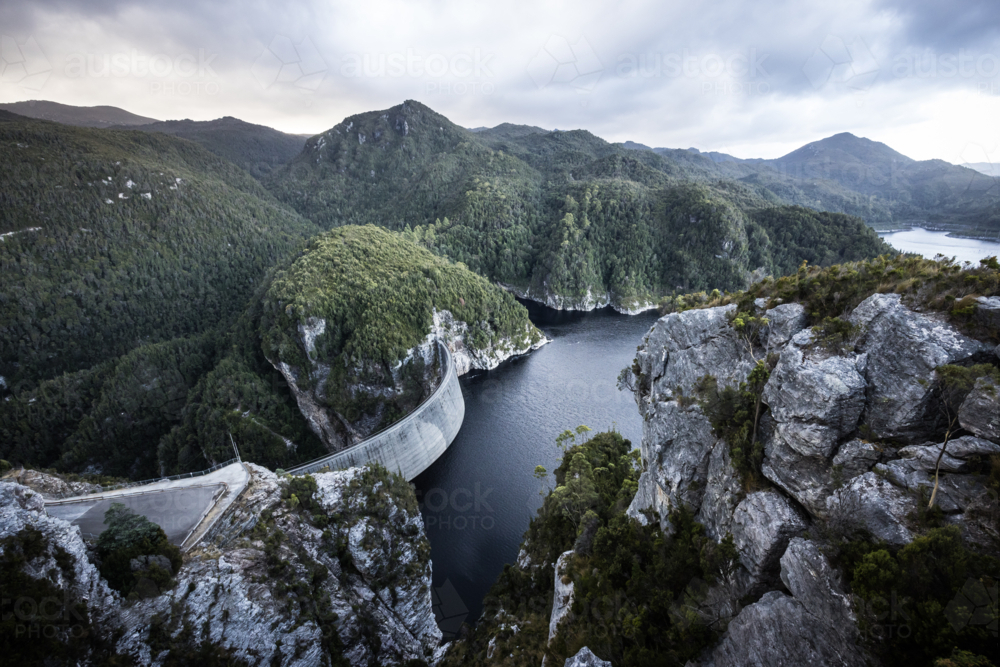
x,y
478,497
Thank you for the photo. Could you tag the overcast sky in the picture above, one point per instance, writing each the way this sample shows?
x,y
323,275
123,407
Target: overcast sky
x,y
755,79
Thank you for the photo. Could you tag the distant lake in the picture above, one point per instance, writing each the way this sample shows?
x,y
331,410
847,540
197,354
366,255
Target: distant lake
x,y
929,244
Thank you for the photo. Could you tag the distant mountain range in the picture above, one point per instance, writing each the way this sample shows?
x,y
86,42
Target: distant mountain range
x,y
897,190
987,168
100,116
842,173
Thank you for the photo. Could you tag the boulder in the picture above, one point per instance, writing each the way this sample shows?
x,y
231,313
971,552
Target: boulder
x,y
821,394
683,347
586,658
763,524
980,412
784,322
904,348
855,457
872,503
814,626
988,311
815,399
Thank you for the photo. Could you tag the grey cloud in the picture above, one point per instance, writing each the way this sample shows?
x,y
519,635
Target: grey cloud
x,y
822,66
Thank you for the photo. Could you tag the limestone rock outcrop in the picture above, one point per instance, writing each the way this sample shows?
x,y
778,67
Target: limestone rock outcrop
x,y
904,349
851,431
586,658
980,412
270,582
309,384
812,626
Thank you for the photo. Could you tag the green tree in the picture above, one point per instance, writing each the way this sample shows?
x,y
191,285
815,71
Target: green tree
x,y
129,535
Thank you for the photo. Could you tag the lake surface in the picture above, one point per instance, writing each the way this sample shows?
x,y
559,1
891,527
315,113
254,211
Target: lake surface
x,y
929,244
477,499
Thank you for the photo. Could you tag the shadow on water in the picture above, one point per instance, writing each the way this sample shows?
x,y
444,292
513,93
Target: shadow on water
x,y
478,498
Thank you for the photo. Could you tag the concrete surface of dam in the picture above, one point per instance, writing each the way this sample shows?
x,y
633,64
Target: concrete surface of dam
x,y
412,444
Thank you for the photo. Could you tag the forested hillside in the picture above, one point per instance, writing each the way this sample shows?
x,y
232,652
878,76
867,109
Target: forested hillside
x,y
255,148
116,239
124,256
563,217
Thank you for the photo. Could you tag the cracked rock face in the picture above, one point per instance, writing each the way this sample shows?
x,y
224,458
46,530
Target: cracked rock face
x,y
763,524
309,384
872,502
676,443
815,399
980,412
723,492
453,333
682,347
850,439
783,322
904,349
63,563
813,626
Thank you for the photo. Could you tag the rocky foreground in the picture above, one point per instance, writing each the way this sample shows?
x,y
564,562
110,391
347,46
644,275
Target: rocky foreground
x,y
828,461
779,512
343,578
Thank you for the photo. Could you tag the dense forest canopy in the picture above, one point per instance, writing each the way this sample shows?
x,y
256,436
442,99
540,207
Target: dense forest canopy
x,y
149,285
563,217
115,239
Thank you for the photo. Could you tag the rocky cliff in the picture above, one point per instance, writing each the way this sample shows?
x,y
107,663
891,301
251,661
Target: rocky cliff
x,y
781,511
294,574
851,434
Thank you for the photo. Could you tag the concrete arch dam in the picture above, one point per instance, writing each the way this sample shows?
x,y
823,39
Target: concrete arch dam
x,y
412,444
187,507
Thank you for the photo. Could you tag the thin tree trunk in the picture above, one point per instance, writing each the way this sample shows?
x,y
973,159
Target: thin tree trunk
x,y
937,466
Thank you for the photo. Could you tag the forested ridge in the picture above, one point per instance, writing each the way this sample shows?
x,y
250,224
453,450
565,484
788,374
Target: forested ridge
x,y
115,239
255,148
147,282
563,217
126,257
135,269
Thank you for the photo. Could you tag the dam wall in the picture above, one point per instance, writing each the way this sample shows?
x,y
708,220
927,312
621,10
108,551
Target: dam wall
x,y
412,444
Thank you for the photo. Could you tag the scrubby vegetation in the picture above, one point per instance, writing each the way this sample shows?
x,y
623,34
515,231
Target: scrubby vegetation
x,y
735,414
941,285
634,588
128,536
928,600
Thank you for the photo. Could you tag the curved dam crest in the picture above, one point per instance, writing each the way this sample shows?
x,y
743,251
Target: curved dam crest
x,y
412,444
